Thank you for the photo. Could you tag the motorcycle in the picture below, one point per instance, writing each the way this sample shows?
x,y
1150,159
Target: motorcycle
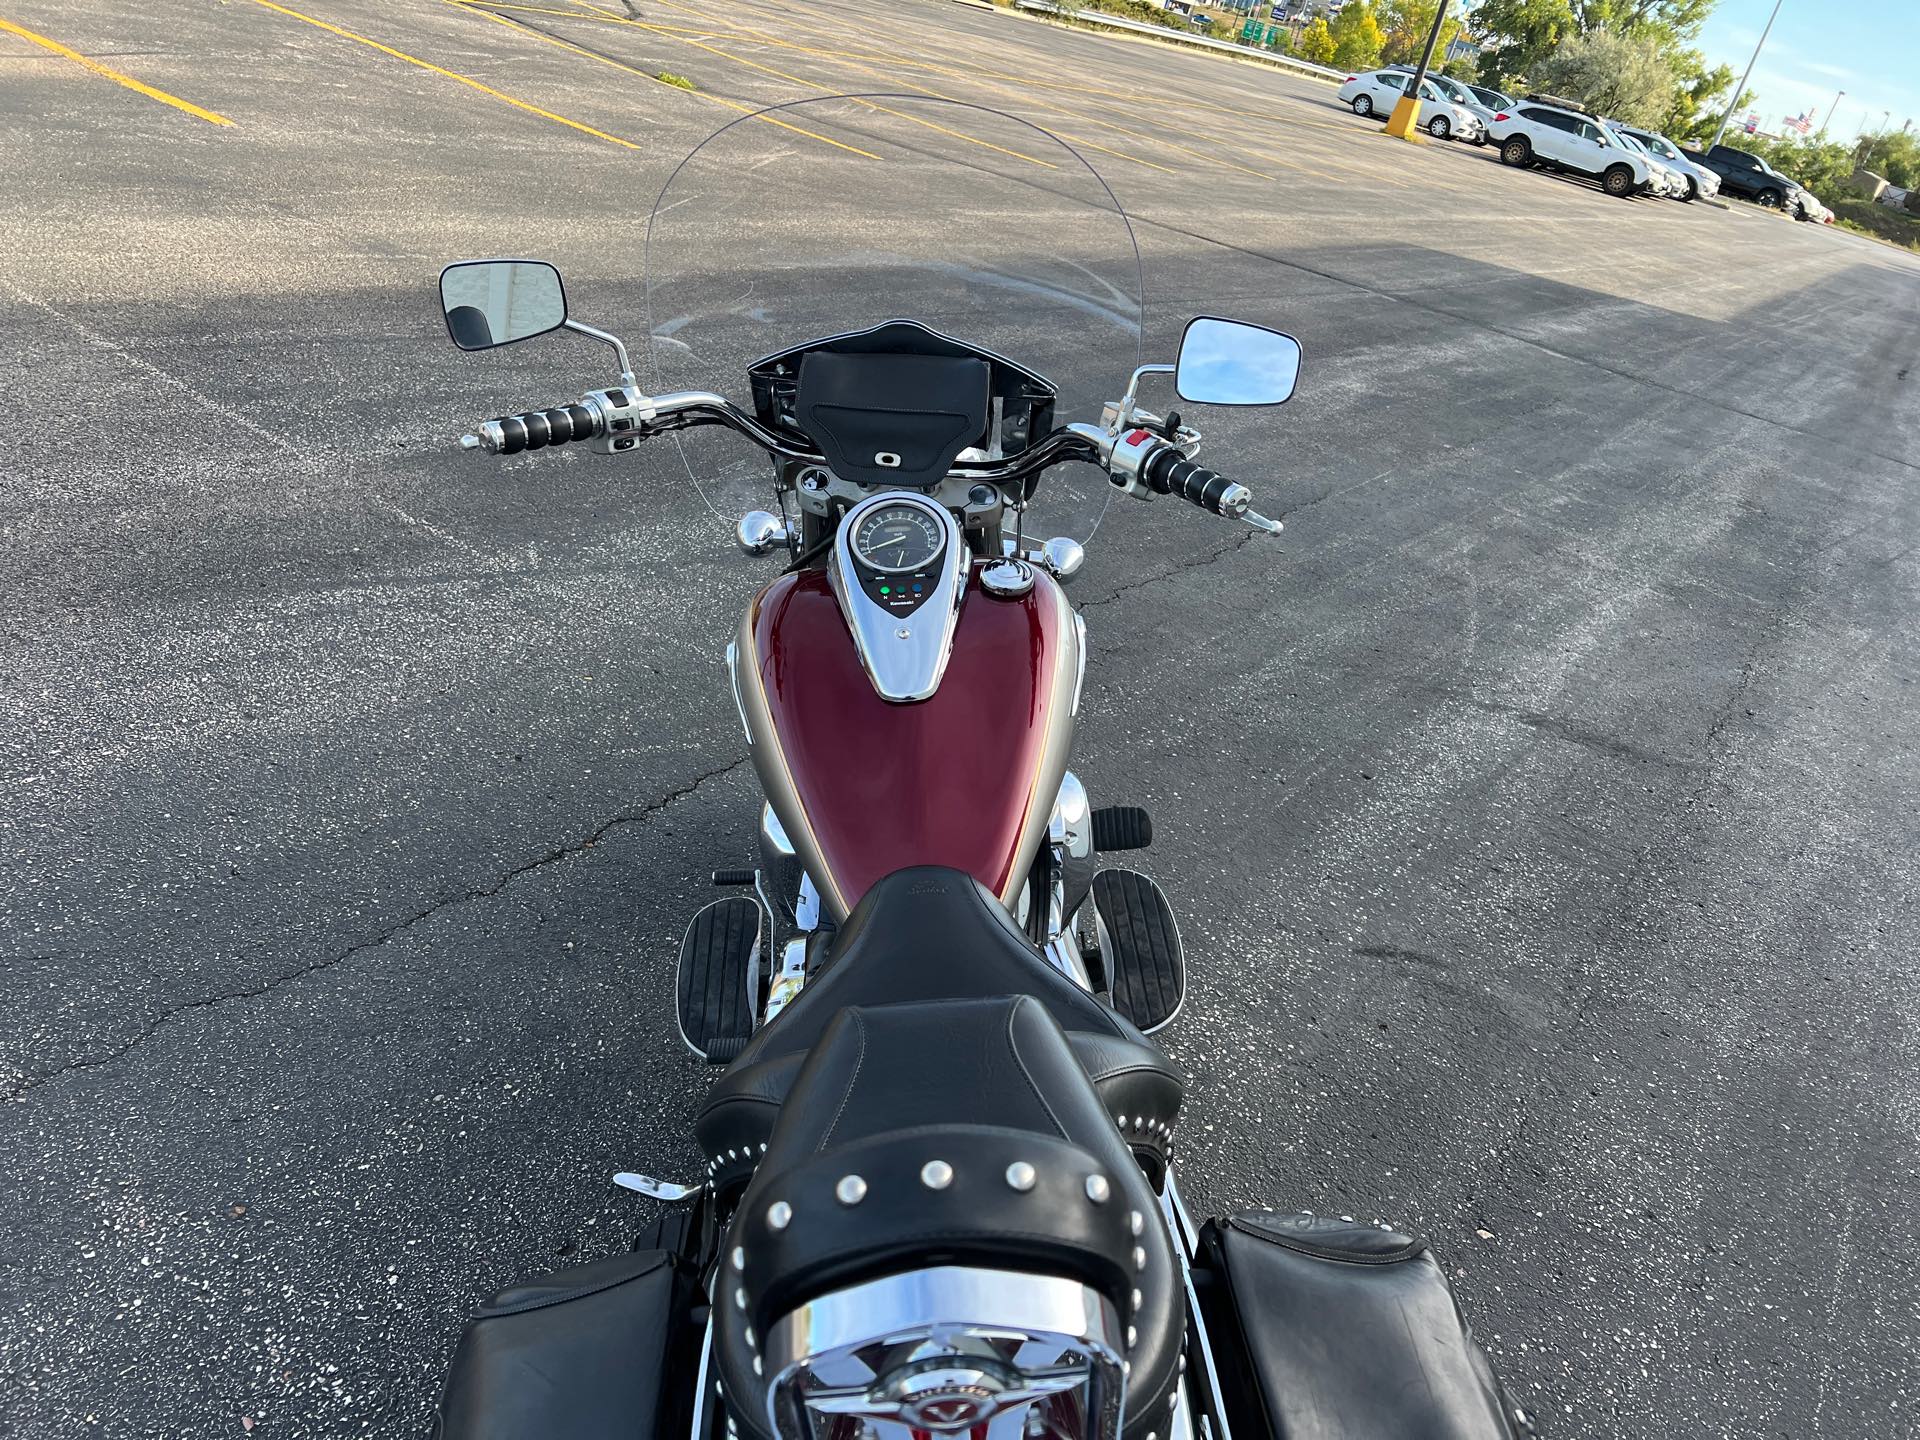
x,y
939,1194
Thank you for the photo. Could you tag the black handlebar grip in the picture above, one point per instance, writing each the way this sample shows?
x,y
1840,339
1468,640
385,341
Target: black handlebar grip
x,y
537,429
1168,472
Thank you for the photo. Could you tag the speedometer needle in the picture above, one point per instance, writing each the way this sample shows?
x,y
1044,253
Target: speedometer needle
x,y
882,544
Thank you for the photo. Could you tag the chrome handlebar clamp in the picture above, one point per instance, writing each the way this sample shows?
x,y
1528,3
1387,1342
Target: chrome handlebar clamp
x,y
623,413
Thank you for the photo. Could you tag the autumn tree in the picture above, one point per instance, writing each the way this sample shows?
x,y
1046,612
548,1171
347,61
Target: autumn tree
x,y
1316,42
1357,38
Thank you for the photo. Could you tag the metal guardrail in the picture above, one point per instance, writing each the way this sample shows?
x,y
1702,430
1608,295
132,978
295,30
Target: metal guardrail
x,y
1184,37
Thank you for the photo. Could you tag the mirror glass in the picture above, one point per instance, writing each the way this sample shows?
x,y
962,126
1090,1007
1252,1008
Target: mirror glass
x,y
1229,362
495,302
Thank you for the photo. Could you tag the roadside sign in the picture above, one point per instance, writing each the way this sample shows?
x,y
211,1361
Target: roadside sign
x,y
1753,123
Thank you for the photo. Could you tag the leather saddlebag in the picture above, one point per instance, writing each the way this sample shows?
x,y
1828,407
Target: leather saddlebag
x,y
597,1352
1330,1330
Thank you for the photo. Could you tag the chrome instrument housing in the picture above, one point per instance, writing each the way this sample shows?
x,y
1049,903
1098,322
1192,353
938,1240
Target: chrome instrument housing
x,y
904,655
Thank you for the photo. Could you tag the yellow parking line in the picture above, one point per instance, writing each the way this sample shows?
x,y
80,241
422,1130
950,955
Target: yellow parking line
x,y
981,75
468,81
210,116
802,80
1087,144
849,58
1158,105
634,70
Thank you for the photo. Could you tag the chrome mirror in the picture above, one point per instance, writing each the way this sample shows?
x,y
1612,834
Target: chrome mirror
x,y
1229,362
495,302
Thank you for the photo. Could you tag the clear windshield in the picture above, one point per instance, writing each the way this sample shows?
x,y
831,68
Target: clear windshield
x,y
830,216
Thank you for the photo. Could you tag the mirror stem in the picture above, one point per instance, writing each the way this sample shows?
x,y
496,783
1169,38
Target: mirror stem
x,y
619,348
1133,389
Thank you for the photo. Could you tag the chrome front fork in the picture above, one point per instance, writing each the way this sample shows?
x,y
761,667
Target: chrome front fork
x,y
1069,877
797,905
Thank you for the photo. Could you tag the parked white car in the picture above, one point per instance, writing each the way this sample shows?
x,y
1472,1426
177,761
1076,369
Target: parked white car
x,y
1562,136
1667,182
1496,101
1464,98
1377,91
1698,178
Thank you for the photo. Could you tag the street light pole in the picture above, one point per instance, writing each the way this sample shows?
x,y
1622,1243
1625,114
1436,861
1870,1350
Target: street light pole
x,y
1830,109
1741,87
1406,110
1867,158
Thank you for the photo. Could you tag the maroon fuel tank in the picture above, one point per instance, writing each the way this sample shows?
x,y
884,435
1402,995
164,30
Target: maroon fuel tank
x,y
865,786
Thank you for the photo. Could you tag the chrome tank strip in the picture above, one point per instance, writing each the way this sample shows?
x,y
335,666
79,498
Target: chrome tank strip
x,y
1057,716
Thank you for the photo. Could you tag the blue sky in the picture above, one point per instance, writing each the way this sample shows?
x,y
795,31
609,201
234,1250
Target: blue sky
x,y
1868,48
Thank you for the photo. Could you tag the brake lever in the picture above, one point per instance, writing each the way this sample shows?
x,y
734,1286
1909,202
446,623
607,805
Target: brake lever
x,y
1261,522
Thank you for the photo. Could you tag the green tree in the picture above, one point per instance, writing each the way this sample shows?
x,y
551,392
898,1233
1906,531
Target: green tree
x,y
1826,166
1699,97
1894,154
1525,32
1627,79
1405,24
1316,42
1357,38
1521,33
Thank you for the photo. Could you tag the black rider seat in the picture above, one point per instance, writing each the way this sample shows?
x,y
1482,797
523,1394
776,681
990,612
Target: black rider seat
x,y
948,1133
923,934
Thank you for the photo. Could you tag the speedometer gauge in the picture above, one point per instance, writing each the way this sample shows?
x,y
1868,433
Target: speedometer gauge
x,y
898,538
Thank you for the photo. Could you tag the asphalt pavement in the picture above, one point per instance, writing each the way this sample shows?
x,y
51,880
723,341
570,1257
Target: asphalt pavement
x,y
1540,810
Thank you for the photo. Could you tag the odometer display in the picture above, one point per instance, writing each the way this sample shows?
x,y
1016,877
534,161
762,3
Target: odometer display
x,y
898,538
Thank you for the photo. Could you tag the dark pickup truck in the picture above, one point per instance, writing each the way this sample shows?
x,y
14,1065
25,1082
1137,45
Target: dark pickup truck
x,y
1748,176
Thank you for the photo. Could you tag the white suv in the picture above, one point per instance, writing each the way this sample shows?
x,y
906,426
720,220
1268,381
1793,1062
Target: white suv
x,y
1555,133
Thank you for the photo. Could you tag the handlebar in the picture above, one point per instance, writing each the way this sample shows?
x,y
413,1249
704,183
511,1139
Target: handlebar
x,y
1168,472
1141,461
619,419
535,430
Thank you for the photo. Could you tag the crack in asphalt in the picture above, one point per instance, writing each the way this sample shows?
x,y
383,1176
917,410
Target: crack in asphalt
x,y
1212,557
1507,1155
28,1084
1241,542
